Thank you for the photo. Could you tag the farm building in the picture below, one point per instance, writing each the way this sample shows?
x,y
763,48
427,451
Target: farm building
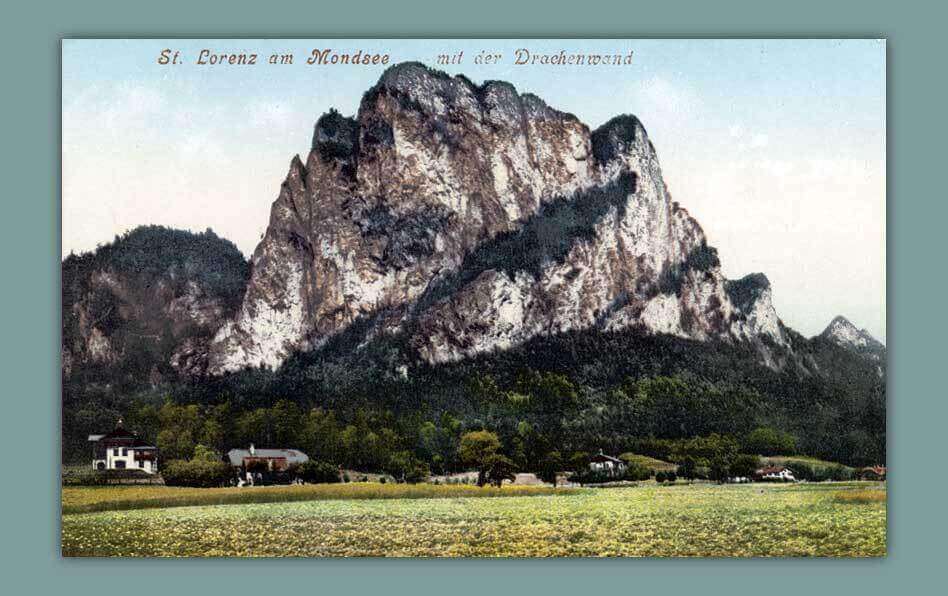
x,y
121,449
871,473
775,474
274,460
602,463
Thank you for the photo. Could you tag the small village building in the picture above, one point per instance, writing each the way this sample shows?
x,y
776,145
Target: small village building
x,y
606,464
775,474
871,473
273,460
121,449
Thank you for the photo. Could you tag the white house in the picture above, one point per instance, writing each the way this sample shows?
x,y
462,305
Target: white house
x,y
122,450
775,474
607,464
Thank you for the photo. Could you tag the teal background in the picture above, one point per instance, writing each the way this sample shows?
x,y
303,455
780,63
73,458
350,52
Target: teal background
x,y
29,298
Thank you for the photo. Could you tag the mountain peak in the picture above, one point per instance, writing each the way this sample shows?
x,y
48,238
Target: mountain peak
x,y
843,332
470,218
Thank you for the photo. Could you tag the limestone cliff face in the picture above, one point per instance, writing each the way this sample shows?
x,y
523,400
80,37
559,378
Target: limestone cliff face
x,y
472,218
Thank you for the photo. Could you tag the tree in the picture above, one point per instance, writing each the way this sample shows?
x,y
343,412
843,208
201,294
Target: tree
x,y
406,467
669,403
579,462
418,472
479,449
744,465
211,435
318,472
321,437
704,450
768,441
719,467
687,468
551,463
286,424
550,398
203,453
499,469
254,426
180,427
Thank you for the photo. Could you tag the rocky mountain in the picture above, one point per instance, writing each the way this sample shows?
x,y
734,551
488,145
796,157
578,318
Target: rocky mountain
x,y
145,306
470,218
846,335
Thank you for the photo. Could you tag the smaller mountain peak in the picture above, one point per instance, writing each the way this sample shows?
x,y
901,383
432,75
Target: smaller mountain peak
x,y
843,332
841,327
840,320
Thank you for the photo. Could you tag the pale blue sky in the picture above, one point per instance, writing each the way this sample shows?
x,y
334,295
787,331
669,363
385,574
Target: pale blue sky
x,y
776,146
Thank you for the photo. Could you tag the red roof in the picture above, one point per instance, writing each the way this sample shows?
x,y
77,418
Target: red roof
x,y
601,457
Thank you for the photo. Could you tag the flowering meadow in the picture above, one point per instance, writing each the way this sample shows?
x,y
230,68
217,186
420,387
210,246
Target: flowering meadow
x,y
750,520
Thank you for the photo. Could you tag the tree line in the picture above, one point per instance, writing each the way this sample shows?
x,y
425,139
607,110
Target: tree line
x,y
540,423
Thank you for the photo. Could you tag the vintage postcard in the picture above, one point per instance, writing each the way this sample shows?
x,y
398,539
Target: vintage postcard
x,y
473,298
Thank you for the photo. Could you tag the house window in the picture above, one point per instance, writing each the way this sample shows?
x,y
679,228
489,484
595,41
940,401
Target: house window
x,y
115,451
124,452
120,465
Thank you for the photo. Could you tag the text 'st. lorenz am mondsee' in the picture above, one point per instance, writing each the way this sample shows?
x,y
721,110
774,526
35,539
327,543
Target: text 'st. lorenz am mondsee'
x,y
357,57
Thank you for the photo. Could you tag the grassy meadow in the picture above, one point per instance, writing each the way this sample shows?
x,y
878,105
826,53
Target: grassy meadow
x,y
114,498
367,519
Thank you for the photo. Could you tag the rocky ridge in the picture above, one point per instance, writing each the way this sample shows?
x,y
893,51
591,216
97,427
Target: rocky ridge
x,y
471,218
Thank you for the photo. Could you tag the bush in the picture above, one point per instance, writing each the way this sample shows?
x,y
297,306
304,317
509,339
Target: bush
x,y
317,472
405,466
801,470
688,469
197,473
835,473
660,477
671,476
418,473
744,465
590,477
637,472
85,478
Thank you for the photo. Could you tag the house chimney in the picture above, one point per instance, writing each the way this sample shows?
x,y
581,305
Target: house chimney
x,y
252,450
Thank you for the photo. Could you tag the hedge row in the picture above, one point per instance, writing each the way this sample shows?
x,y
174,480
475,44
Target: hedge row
x,y
197,473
